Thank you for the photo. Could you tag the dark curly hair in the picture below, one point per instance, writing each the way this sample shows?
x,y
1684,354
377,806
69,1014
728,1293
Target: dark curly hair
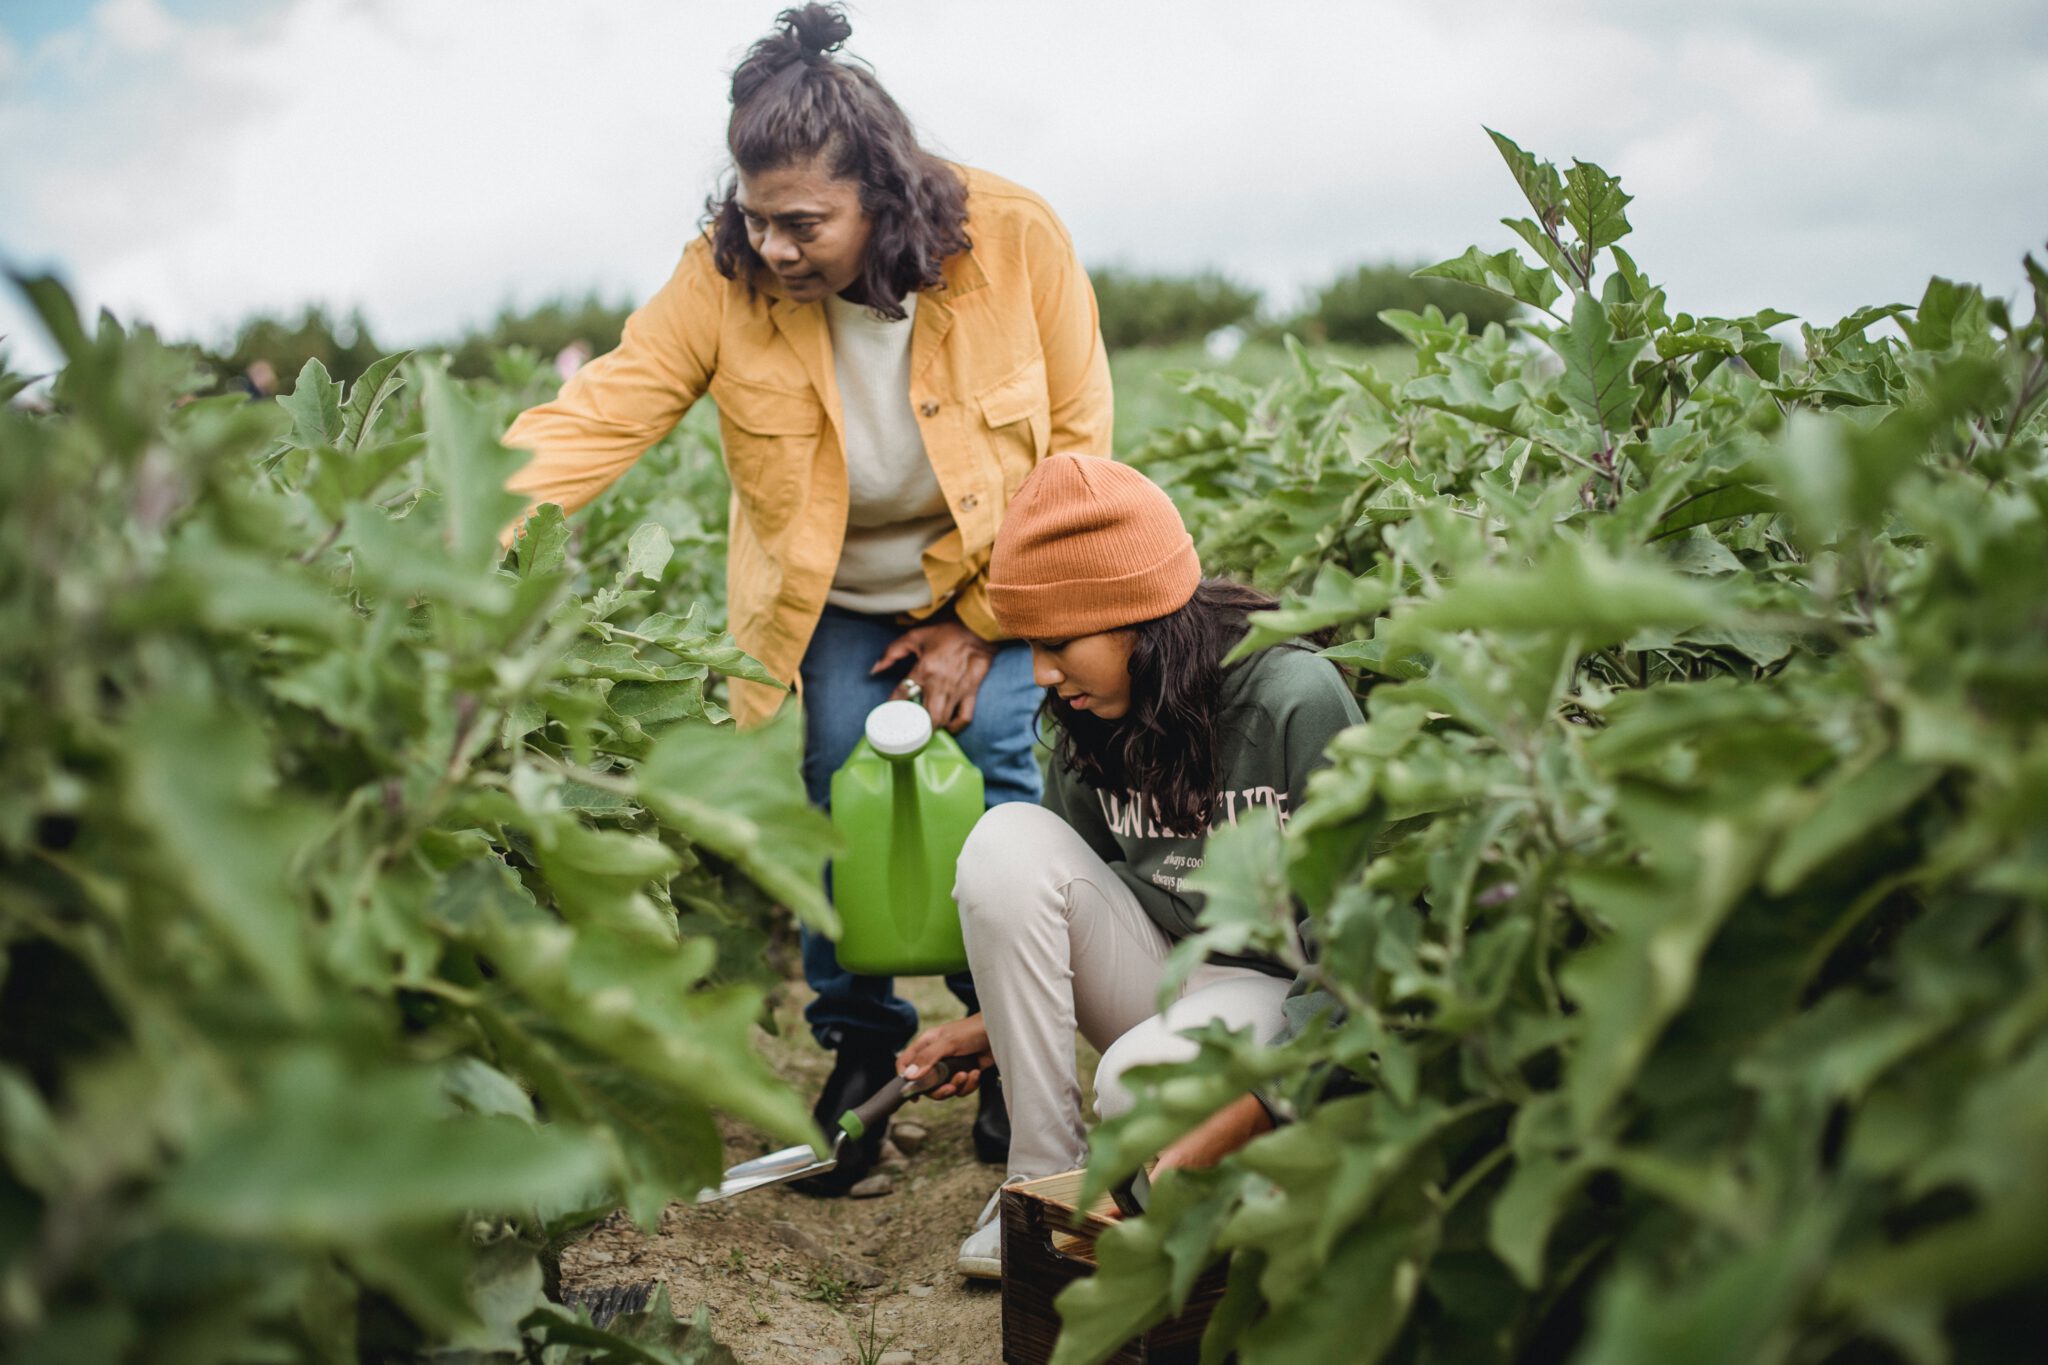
x,y
792,101
1165,744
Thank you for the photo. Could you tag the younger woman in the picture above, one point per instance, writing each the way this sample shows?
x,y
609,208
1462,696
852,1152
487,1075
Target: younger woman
x,y
1070,907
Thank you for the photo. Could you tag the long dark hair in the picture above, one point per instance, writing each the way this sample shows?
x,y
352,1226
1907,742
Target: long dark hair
x,y
1165,745
792,101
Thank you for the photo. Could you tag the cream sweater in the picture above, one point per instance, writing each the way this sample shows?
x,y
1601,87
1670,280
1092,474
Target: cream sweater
x,y
894,506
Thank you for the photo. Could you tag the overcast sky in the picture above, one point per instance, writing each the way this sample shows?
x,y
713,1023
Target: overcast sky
x,y
190,161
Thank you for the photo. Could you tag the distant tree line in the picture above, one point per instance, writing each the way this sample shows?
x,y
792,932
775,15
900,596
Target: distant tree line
x,y
1138,309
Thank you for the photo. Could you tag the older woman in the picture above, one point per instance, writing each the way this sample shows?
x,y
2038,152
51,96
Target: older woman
x,y
893,343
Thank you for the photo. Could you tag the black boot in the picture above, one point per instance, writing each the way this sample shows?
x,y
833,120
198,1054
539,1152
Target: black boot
x,y
992,1125
859,1071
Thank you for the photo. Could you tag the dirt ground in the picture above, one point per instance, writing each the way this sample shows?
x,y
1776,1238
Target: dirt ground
x,y
824,1281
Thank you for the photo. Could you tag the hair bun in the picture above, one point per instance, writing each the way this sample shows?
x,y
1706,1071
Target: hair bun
x,y
817,29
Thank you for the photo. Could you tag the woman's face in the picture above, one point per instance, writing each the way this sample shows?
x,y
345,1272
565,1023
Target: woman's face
x,y
807,226
1091,673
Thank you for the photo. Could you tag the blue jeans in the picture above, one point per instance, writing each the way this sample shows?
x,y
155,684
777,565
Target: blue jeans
x,y
838,693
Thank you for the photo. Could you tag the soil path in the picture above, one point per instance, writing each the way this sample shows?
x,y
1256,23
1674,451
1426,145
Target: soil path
x,y
791,1279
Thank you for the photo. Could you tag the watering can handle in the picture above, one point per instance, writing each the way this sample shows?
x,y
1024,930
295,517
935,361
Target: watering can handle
x,y
886,1101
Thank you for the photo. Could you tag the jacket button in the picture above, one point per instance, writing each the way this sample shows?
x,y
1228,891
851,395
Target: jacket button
x,y
970,502
930,407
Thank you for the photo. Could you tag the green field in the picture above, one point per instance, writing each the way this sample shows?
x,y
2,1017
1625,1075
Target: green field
x,y
381,913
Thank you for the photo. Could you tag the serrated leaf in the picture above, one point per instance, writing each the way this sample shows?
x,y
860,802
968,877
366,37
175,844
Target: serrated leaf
x,y
1546,250
1594,205
544,546
366,398
1596,380
648,551
1464,388
315,406
1336,599
1539,181
1503,272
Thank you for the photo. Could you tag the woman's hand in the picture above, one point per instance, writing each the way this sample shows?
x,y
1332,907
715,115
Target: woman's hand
x,y
1222,1133
960,1038
951,662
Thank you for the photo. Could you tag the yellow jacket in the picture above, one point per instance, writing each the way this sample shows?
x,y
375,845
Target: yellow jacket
x,y
1007,366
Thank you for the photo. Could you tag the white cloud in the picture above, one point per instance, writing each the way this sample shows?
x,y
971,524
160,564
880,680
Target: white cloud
x,y
134,26
431,161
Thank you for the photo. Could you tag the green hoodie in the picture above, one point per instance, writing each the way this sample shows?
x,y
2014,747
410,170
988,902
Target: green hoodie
x,y
1280,709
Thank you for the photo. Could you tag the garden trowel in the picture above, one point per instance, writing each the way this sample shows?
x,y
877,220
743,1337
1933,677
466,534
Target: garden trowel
x,y
795,1163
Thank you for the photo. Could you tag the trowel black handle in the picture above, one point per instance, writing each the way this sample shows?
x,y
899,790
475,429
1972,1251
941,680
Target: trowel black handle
x,y
886,1101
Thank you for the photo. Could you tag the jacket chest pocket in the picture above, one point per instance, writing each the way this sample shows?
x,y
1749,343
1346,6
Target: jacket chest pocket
x,y
1019,418
771,438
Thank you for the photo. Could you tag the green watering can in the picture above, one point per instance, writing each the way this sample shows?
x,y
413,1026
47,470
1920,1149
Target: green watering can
x,y
905,802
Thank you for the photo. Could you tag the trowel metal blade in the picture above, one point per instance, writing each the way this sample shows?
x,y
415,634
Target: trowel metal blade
x,y
791,1163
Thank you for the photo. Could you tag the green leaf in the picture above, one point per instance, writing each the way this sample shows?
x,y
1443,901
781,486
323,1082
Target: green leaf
x,y
1573,588
1596,381
1594,205
1503,272
648,552
1466,389
599,878
714,650
740,797
647,1010
1546,250
468,467
544,548
1336,599
1846,811
1702,556
1538,180
1715,504
1629,985
315,406
1529,1207
668,1145
330,1157
199,783
366,398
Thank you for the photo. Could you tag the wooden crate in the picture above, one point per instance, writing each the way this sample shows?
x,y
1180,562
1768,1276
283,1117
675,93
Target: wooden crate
x,y
1046,1247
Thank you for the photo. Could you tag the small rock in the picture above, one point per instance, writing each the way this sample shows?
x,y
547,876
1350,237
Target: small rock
x,y
890,1151
862,1276
873,1186
783,1341
909,1137
895,1358
598,1257
920,1291
828,1355
796,1239
783,1287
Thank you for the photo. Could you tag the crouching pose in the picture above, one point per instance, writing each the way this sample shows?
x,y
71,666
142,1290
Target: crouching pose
x,y
1070,907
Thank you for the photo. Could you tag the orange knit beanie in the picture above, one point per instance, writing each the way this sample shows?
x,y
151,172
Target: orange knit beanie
x,y
1088,545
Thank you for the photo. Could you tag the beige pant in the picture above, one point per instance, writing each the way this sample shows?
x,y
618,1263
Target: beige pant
x,y
1059,945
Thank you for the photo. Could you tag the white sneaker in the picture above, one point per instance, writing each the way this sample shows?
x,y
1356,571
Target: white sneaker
x,y
981,1255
